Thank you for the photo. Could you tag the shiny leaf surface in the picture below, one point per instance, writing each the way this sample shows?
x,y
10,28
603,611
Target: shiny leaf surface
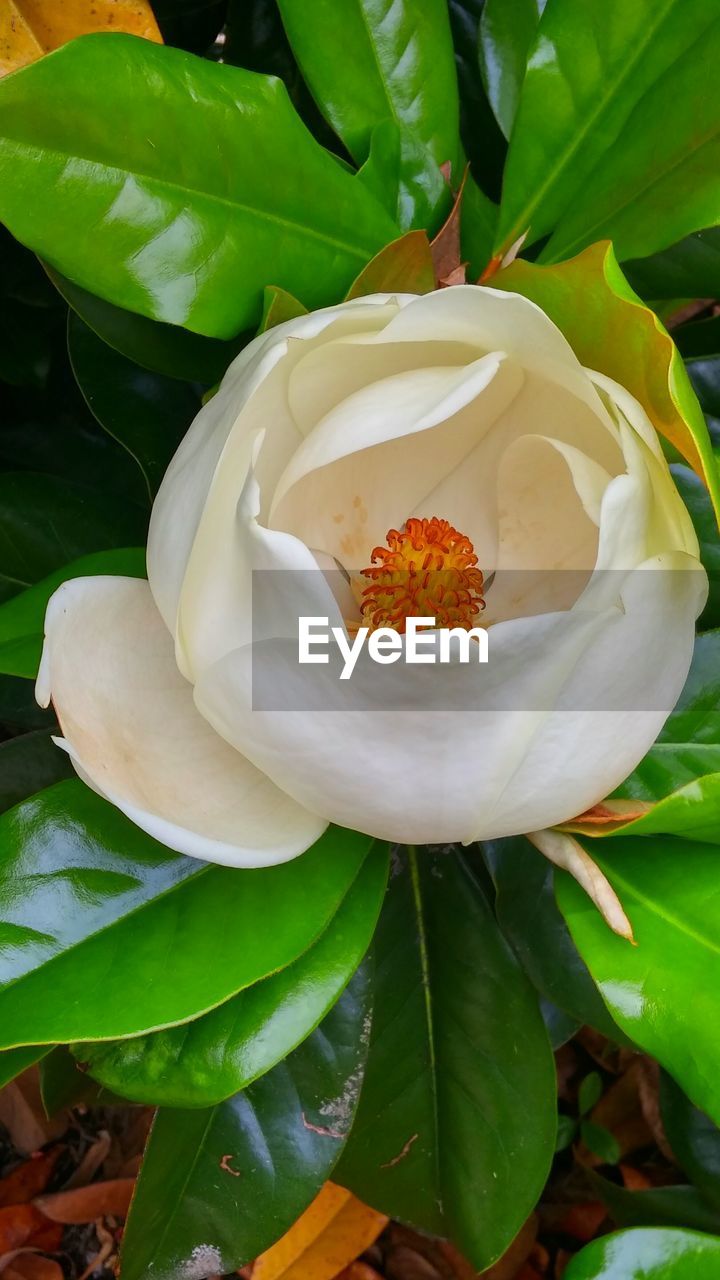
x,y
83,891
663,991
616,135
611,331
154,219
439,1131
219,1185
211,1058
507,30
365,62
654,1254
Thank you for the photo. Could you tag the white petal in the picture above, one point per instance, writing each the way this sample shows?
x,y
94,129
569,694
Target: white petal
x,y
132,730
253,395
564,710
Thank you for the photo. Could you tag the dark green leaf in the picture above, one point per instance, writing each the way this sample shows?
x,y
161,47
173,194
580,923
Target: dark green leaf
x,y
694,1139
161,348
530,920
507,30
696,717
366,64
208,1060
46,521
663,992
566,1130
690,269
460,1086
650,1254
590,1092
18,707
561,1026
697,500
595,151
83,891
62,1083
147,413
28,764
600,1141
157,220
218,1186
674,1206
701,338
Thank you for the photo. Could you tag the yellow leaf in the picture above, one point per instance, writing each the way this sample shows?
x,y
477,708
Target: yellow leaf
x,y
30,28
329,1235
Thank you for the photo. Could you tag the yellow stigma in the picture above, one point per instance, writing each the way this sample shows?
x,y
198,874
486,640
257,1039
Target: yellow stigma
x,y
427,569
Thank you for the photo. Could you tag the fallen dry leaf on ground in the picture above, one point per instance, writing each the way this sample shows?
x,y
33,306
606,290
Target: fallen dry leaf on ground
x,y
31,28
29,1178
32,1266
25,1226
22,1112
328,1236
85,1204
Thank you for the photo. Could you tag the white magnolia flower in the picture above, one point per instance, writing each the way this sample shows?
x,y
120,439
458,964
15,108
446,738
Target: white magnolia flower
x,y
328,434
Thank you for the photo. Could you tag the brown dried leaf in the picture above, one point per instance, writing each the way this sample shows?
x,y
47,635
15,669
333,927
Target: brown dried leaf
x,y
445,248
24,1225
22,1113
514,1258
92,1161
28,1179
85,1204
33,1266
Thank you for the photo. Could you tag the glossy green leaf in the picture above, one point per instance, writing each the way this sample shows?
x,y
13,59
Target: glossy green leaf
x,y
507,30
531,921
46,521
616,135
704,374
696,715
165,938
161,348
218,1186
460,1087
366,62
29,763
654,1254
694,1139
156,220
147,413
206,1061
610,330
663,992
689,269
22,617
62,1083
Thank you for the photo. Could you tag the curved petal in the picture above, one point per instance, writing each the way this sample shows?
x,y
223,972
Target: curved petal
x,y
566,707
134,734
252,395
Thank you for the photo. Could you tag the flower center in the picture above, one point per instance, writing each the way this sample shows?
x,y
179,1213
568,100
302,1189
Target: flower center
x,y
427,569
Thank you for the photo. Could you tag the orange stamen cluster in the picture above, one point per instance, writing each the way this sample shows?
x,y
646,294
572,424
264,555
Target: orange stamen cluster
x,y
427,569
